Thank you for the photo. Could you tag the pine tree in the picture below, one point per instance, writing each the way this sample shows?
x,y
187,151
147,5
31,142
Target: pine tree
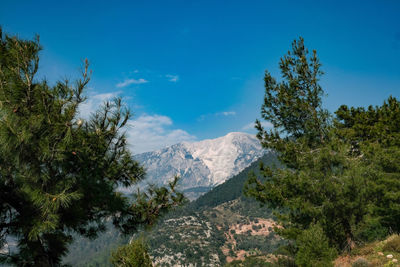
x,y
374,135
314,249
59,174
322,182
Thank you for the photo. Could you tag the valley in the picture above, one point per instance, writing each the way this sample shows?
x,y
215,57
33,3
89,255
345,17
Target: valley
x,y
218,227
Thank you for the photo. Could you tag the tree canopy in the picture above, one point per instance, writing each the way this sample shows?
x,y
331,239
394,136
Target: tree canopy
x,y
59,173
340,172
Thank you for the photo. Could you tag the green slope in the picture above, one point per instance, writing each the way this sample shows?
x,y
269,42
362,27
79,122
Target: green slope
x,y
232,188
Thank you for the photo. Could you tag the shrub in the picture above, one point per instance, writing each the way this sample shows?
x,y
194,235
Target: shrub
x,y
393,244
285,262
134,254
360,262
371,230
314,249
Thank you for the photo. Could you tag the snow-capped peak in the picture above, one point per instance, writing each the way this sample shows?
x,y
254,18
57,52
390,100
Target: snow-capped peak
x,y
227,155
205,163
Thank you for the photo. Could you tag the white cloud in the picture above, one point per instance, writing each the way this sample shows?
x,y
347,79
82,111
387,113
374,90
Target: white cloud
x,y
144,133
172,78
152,132
250,126
131,81
93,102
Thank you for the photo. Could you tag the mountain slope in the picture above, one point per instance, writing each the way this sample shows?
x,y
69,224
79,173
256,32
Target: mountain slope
x,y
201,165
219,227
232,188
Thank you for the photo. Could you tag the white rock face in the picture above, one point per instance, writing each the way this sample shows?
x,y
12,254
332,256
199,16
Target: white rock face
x,y
202,164
226,156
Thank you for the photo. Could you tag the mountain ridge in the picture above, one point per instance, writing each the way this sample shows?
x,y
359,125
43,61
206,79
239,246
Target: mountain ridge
x,y
203,164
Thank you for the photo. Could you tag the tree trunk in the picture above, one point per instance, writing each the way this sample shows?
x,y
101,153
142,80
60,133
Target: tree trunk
x,y
350,244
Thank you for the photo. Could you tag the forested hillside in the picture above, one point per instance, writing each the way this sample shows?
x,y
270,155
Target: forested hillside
x,y
219,225
232,188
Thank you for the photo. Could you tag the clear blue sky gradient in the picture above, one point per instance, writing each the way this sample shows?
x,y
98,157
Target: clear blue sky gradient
x,y
219,50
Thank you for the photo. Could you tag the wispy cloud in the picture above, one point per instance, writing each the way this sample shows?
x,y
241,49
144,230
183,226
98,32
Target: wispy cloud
x,y
250,126
226,113
131,81
152,132
217,114
172,78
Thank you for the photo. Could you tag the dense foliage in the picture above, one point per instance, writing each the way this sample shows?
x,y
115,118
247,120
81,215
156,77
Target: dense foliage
x,y
374,136
314,249
341,173
59,174
134,254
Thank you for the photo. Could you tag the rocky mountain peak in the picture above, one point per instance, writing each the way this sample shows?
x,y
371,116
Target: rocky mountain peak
x,y
202,164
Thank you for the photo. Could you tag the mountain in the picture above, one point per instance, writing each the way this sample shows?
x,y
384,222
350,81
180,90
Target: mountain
x,y
209,217
218,227
201,165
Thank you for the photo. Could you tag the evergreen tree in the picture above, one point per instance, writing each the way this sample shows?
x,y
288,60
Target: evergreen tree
x,y
322,182
314,249
374,135
59,174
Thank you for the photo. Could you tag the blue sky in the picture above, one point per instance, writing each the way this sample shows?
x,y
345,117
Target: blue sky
x,y
191,70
